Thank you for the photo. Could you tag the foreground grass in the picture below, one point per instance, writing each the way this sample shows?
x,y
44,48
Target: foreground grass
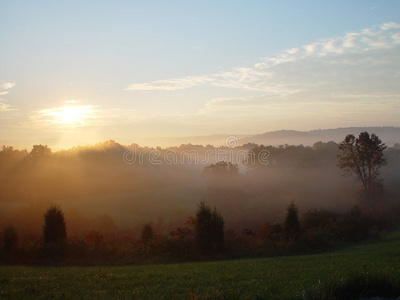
x,y
266,278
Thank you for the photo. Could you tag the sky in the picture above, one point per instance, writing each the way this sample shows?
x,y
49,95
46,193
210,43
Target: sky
x,y
81,72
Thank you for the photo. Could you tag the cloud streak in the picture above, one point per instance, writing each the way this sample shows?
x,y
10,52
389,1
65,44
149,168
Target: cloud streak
x,y
7,85
289,72
170,85
4,107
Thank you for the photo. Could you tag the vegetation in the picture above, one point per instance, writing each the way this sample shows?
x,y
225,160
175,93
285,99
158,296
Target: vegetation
x,y
209,229
355,286
363,156
206,235
221,168
54,244
203,237
147,233
287,277
54,229
94,183
292,223
10,243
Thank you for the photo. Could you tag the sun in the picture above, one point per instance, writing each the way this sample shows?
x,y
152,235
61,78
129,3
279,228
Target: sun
x,y
71,115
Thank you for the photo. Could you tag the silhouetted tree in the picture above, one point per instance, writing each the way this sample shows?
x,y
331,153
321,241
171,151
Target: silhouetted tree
x,y
222,168
54,229
40,151
209,229
363,156
10,239
291,227
9,157
147,233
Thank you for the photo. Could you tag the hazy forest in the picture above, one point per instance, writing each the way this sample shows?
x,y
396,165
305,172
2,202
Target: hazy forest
x,y
127,204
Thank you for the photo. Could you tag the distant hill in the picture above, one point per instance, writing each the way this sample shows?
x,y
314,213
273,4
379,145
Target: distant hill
x,y
215,140
389,135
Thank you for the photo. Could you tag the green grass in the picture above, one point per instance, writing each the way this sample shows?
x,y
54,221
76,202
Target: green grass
x,y
356,286
266,278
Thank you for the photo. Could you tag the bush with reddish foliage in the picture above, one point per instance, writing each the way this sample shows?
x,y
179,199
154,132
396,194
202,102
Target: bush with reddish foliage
x,y
320,229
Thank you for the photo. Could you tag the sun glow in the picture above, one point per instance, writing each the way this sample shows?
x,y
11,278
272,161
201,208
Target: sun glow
x,y
68,116
71,115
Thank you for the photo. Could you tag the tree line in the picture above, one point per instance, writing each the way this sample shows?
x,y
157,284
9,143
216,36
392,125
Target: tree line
x,y
205,235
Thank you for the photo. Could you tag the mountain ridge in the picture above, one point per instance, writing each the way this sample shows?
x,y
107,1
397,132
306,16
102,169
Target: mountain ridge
x,y
388,134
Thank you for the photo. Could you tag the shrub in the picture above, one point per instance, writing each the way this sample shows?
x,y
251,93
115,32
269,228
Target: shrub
x,y
321,219
10,239
54,235
291,227
354,226
54,229
10,244
209,229
319,227
322,226
147,233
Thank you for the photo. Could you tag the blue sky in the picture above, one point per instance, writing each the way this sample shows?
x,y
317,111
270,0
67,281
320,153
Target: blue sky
x,y
76,72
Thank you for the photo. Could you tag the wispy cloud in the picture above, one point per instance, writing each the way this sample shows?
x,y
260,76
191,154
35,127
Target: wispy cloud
x,y
7,85
390,25
290,71
267,104
4,106
346,80
171,84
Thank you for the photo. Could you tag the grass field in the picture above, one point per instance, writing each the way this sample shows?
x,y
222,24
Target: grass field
x,y
266,278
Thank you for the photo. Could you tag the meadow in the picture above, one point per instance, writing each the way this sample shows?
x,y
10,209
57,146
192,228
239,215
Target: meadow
x,y
263,278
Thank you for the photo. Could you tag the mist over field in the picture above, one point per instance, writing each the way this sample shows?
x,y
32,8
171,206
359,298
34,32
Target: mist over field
x,y
114,188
